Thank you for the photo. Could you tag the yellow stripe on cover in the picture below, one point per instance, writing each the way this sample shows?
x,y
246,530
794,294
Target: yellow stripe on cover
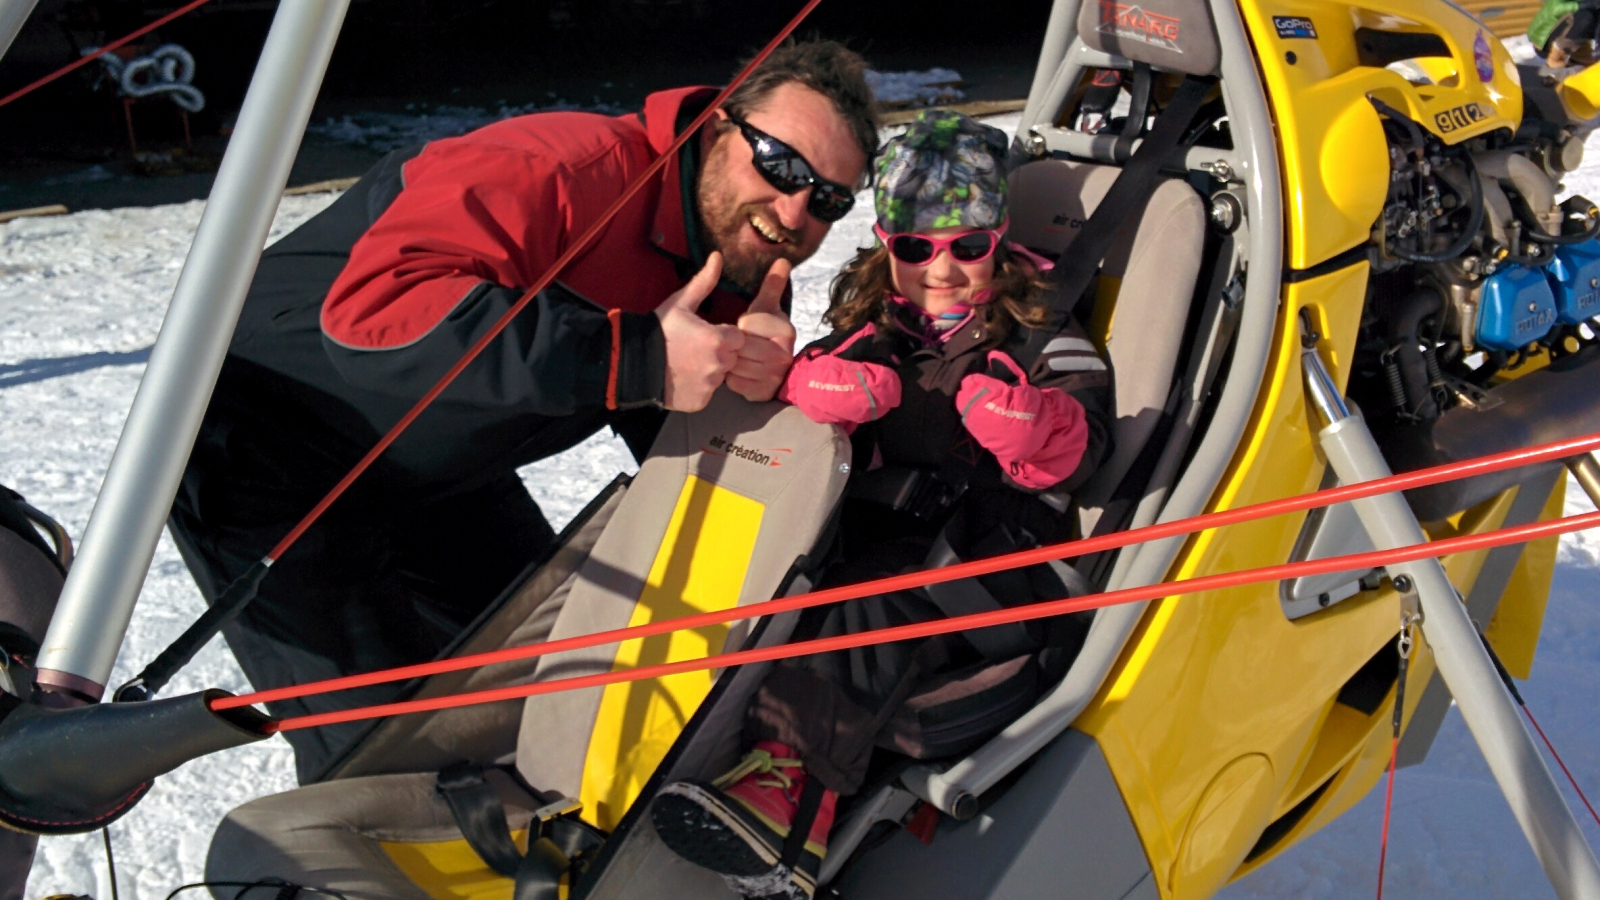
x,y
451,870
1106,288
699,567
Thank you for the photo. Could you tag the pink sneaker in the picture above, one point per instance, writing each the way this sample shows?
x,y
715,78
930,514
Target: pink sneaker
x,y
737,825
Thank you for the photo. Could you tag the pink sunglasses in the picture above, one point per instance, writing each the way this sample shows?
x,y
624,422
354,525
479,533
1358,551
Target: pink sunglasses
x,y
920,249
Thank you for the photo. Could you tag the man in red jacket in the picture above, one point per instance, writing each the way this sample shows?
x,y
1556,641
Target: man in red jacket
x,y
359,311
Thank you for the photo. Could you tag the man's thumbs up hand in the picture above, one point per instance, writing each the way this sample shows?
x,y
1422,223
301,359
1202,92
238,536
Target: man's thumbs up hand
x,y
768,348
699,354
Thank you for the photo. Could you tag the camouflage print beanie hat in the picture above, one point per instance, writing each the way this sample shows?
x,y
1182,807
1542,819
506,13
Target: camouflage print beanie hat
x,y
946,170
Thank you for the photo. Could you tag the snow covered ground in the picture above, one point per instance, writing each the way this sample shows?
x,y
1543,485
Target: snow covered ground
x,y
915,88
81,299
385,131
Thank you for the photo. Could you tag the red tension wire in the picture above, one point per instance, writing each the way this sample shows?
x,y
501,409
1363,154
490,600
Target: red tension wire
x,y
1464,543
572,252
1544,453
90,57
1388,807
1560,762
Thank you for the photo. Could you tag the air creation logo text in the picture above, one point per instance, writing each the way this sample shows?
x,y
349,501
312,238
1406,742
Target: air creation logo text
x,y
723,445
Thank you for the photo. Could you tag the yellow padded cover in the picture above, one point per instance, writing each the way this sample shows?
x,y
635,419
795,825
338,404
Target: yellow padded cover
x,y
639,720
451,870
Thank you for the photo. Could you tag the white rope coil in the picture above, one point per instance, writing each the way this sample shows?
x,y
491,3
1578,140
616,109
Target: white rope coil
x,y
168,69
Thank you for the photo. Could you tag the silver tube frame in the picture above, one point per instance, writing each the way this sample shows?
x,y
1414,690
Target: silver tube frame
x,y
1586,472
99,596
1058,39
1257,166
13,13
1462,661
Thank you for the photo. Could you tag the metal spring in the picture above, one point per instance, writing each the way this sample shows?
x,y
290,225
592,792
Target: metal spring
x,y
1397,386
1436,382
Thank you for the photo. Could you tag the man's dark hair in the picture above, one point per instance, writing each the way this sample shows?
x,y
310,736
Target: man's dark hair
x,y
827,67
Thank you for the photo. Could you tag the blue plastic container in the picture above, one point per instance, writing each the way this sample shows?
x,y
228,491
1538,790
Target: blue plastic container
x,y
1517,307
1575,278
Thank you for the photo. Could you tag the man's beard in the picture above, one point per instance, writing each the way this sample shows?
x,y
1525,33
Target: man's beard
x,y
725,220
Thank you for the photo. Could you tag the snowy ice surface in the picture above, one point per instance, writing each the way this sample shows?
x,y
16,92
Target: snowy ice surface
x,y
1522,49
385,131
915,88
81,299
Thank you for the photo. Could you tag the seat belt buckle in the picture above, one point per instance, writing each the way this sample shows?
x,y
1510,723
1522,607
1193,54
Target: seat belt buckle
x,y
927,496
557,808
916,492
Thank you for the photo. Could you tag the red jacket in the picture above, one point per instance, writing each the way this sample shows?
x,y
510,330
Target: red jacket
x,y
355,314
500,204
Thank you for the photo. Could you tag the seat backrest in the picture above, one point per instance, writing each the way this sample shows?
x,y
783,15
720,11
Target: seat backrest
x,y
1144,292
726,501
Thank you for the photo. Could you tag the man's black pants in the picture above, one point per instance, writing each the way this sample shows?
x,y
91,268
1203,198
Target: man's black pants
x,y
380,581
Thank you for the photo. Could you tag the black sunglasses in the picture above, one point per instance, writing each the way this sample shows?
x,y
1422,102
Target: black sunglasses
x,y
785,169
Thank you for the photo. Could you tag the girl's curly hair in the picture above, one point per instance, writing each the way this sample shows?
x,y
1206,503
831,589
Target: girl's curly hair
x,y
860,293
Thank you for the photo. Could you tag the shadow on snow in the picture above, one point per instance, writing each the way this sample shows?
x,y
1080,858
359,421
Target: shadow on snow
x,y
31,370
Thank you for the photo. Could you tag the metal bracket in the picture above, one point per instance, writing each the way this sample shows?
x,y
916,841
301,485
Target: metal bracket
x,y
889,804
1410,602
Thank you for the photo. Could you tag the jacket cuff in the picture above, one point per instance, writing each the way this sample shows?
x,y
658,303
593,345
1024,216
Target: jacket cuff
x,y
638,366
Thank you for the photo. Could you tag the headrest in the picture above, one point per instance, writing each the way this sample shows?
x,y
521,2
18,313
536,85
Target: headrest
x,y
1173,34
1052,198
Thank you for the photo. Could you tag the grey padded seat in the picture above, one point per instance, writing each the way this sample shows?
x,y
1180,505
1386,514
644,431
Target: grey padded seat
x,y
1155,259
727,500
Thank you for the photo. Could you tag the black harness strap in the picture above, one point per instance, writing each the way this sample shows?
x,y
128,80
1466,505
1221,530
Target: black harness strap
x,y
1138,111
805,816
1071,278
965,596
481,816
557,842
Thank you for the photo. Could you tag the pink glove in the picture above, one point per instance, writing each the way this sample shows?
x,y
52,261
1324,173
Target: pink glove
x,y
837,391
1038,435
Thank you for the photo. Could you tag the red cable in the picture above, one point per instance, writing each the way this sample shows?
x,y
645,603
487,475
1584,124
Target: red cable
x,y
88,58
1464,543
1388,806
1564,770
1483,465
572,252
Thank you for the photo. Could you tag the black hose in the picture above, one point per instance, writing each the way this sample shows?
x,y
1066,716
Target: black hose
x,y
111,862
278,886
1418,142
1536,233
1468,234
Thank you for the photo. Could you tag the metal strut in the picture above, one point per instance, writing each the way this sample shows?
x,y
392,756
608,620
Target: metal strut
x,y
1586,472
12,14
1490,714
98,598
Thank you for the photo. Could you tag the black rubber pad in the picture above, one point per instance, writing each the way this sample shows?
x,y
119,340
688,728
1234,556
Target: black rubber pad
x,y
704,837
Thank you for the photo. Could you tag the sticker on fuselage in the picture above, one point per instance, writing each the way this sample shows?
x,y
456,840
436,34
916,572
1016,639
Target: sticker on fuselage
x,y
1460,117
1295,27
1483,58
